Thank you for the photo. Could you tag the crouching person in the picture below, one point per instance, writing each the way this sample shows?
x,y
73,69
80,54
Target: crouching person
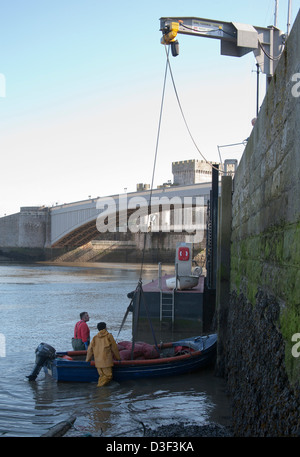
x,y
103,347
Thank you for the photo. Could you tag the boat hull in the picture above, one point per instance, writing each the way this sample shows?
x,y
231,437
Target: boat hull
x,y
80,371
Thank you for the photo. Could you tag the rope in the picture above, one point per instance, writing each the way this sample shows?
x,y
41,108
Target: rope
x,y
183,116
155,159
139,285
168,66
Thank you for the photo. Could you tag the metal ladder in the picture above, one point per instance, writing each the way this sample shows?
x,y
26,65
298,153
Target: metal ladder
x,y
167,305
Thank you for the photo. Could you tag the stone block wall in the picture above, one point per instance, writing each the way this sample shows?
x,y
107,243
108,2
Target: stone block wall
x,y
191,171
9,230
30,228
264,310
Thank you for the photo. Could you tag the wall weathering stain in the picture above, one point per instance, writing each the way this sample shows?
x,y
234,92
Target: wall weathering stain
x,y
264,309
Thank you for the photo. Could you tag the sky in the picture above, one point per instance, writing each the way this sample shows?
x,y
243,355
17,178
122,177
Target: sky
x,y
81,89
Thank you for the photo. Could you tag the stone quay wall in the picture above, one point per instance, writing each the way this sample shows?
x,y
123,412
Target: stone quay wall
x,y
260,320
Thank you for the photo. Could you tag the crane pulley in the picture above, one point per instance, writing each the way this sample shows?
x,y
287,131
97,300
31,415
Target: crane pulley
x,y
169,34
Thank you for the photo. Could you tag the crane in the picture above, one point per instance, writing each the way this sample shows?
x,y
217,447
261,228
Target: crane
x,y
237,39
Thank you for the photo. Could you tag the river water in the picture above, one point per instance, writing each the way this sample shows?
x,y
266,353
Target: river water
x,y
41,303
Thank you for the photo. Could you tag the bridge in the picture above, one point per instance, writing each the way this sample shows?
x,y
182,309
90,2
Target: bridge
x,y
77,223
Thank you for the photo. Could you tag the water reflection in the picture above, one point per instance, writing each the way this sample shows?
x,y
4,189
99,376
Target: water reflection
x,y
127,409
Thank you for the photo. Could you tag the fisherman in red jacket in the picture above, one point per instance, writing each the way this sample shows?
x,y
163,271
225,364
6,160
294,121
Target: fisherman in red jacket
x,y
81,338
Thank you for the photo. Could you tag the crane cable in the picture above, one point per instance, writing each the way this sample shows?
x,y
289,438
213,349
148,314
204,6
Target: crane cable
x,y
155,157
184,118
168,66
138,290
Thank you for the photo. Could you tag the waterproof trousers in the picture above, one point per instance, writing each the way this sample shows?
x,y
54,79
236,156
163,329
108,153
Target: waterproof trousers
x,y
77,344
105,376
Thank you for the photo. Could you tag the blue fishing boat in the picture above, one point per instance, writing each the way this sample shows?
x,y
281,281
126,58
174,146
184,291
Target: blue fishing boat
x,y
176,358
166,359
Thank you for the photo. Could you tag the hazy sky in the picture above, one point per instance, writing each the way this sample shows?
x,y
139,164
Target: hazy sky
x,y
83,84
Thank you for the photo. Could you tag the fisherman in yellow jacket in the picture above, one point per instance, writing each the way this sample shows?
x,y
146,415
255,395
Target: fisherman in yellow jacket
x,y
103,347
